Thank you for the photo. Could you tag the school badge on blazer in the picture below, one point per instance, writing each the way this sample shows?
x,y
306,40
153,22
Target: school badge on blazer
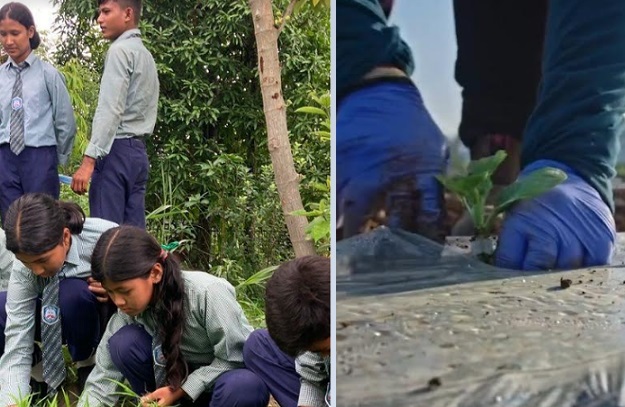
x,y
17,103
159,358
50,314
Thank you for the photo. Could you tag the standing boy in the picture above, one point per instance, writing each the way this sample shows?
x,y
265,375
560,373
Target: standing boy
x,y
115,160
292,355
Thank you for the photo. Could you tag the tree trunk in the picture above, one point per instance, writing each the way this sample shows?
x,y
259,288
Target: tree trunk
x,y
287,179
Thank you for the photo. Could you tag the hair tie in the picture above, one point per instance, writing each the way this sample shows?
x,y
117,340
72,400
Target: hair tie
x,y
166,248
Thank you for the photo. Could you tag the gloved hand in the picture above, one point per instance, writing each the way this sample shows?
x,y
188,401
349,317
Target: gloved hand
x,y
388,151
567,227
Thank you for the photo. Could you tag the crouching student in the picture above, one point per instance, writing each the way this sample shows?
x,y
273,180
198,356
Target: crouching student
x,y
6,261
178,335
293,355
48,299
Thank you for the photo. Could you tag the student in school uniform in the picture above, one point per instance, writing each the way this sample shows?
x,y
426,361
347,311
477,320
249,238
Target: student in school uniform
x,y
52,242
292,355
116,160
178,336
37,125
6,261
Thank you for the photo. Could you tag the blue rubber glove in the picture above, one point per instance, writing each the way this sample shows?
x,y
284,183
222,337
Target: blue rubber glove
x,y
388,152
567,227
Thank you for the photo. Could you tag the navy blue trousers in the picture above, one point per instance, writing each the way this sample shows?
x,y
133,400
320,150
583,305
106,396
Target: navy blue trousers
x,y
34,170
277,369
131,352
79,318
118,184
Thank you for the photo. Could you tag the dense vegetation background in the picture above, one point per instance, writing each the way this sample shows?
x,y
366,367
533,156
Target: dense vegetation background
x,y
211,181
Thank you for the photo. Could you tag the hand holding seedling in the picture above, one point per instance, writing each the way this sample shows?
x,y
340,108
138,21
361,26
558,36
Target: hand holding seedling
x,y
388,161
569,226
473,189
164,396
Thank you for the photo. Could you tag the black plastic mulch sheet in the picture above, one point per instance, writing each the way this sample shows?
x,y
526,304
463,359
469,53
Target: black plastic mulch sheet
x,y
417,326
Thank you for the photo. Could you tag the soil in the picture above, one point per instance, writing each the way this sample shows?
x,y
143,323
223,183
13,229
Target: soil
x,y
565,283
273,403
434,383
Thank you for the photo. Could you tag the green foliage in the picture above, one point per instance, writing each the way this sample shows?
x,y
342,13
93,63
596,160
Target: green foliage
x,y
82,84
473,189
318,4
319,226
319,212
211,181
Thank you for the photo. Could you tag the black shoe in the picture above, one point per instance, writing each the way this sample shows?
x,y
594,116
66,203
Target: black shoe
x,y
83,373
39,390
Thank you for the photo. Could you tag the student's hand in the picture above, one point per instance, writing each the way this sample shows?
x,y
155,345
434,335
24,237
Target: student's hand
x,y
96,288
164,396
82,176
567,227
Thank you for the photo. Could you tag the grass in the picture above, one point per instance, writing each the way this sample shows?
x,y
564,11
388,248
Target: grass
x,y
68,397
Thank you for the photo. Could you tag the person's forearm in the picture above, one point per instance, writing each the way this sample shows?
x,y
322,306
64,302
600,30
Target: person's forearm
x,y
579,114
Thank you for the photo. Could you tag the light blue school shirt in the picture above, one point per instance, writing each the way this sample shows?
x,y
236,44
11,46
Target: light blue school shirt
x,y
215,330
48,113
24,289
128,100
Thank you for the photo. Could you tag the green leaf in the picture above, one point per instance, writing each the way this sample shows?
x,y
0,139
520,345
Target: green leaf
x,y
529,186
299,212
487,165
319,228
257,278
466,186
311,110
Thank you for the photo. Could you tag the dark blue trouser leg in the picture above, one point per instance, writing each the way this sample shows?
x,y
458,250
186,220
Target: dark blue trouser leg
x,y
34,170
118,184
238,388
276,368
131,352
79,318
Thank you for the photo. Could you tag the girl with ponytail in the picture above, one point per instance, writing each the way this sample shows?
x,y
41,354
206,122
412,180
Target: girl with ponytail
x,y
178,336
52,242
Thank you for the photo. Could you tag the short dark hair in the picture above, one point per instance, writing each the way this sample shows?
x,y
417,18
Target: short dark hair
x,y
135,5
20,13
35,222
297,304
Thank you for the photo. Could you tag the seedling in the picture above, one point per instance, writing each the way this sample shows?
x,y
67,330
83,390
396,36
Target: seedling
x,y
474,188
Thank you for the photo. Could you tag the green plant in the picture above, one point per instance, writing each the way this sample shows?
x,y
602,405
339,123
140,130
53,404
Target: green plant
x,y
474,188
319,212
319,227
248,294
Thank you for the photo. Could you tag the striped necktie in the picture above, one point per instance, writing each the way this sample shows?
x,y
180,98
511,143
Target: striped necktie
x,y
51,336
17,112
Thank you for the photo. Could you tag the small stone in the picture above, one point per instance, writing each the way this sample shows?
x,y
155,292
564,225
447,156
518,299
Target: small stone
x,y
434,383
565,283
